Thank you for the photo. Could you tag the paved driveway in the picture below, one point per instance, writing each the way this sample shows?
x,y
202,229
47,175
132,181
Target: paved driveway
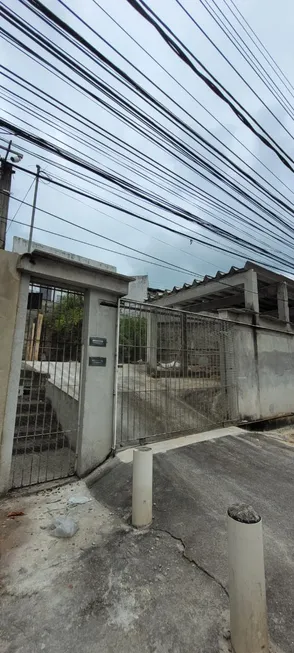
x,y
193,487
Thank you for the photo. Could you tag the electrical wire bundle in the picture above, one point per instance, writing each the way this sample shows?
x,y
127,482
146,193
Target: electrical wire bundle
x,y
181,177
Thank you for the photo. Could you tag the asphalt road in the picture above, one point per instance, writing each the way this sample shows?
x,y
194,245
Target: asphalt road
x,y
194,486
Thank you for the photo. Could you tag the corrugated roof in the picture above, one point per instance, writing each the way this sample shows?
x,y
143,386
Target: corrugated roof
x,y
155,293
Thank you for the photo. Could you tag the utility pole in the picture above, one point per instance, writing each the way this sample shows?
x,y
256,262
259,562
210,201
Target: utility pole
x,y
34,209
5,185
6,172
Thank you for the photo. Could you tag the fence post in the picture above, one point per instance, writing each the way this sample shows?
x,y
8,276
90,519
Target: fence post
x,y
152,327
184,345
248,614
142,487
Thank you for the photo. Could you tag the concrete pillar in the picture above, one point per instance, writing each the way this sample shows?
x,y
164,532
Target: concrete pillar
x,y
228,366
18,331
152,341
97,380
248,614
142,487
282,300
251,291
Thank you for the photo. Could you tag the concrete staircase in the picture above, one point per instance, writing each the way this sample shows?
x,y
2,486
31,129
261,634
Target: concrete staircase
x,y
36,426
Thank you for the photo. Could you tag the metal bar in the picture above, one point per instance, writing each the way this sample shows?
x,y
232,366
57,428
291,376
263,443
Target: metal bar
x,y
34,209
116,362
185,393
42,445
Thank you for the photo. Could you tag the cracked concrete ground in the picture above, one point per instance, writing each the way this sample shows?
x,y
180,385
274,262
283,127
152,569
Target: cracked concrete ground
x,y
108,588
194,486
163,590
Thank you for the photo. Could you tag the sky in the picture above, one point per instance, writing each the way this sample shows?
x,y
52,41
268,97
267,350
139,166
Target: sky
x,y
273,23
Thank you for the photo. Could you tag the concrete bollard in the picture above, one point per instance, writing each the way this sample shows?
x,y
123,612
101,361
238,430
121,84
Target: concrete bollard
x,y
248,613
142,487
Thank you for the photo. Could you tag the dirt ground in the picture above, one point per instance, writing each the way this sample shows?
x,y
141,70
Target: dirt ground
x,y
285,433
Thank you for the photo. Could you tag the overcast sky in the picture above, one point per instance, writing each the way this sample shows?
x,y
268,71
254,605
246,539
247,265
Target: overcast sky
x,y
273,23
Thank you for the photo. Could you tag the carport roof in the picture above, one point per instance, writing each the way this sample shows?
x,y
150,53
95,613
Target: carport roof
x,y
267,285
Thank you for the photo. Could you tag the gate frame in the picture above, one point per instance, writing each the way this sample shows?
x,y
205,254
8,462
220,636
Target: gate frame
x,y
227,359
102,290
47,467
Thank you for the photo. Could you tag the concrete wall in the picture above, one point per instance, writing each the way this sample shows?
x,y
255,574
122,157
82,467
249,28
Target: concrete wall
x,y
66,409
276,373
263,367
138,289
20,245
9,291
13,305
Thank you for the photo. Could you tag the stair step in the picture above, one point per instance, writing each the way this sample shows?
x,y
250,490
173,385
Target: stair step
x,y
38,429
34,393
30,383
29,372
39,443
45,418
32,406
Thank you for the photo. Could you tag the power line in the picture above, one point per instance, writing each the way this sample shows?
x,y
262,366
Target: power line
x,y
261,251
71,238
159,203
140,71
187,234
111,217
212,201
118,73
244,54
152,161
20,205
161,206
155,182
106,249
196,100
191,95
269,59
134,249
215,85
266,231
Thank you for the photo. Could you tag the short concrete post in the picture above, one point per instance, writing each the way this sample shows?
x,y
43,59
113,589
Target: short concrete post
x,y
248,614
142,487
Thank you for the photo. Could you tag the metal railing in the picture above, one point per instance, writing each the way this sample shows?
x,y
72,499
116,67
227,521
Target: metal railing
x,y
46,426
175,373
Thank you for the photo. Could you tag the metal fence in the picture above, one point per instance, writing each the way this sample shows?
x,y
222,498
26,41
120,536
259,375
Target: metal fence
x,y
175,373
46,426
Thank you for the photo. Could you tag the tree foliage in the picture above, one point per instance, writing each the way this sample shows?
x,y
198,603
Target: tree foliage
x,y
67,314
63,326
133,339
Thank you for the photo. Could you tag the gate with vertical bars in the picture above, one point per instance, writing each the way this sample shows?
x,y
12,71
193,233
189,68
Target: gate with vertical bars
x,y
175,373
46,426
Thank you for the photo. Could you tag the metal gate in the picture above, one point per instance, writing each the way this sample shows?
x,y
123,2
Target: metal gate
x,y
175,373
46,426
